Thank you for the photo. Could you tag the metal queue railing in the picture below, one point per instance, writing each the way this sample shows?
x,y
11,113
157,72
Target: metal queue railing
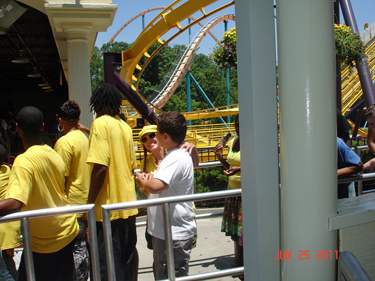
x,y
349,269
166,202
94,255
25,230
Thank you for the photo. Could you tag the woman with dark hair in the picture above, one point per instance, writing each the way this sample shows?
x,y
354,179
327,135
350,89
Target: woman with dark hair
x,y
232,218
73,148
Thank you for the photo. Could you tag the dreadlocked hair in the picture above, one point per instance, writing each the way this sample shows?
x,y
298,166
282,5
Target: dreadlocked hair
x,y
106,100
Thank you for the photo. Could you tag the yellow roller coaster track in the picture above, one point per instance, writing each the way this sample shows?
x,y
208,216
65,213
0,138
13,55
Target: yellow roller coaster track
x,y
166,20
184,64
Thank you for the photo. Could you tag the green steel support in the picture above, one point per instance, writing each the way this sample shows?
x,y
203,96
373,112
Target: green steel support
x,y
199,88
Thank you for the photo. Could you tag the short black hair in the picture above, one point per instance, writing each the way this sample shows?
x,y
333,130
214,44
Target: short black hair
x,y
370,111
70,111
106,99
174,124
30,121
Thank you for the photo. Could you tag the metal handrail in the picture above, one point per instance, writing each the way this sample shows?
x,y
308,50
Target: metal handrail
x,y
167,229
349,269
79,209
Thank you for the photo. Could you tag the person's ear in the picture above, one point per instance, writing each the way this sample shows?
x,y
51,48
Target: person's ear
x,y
60,121
42,127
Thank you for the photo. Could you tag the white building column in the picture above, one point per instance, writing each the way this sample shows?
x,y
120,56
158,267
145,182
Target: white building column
x,y
308,138
75,26
79,69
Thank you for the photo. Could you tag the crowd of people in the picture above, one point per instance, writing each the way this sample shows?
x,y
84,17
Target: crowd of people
x,y
82,170
98,169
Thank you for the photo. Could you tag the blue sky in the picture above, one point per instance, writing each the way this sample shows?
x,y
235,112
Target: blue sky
x,y
364,11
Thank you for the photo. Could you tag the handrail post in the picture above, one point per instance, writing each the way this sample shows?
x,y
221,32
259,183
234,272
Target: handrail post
x,y
94,252
107,231
27,250
169,242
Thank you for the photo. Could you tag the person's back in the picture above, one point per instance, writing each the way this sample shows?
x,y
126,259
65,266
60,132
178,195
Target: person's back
x,y
37,182
111,144
348,163
111,153
177,170
174,176
75,146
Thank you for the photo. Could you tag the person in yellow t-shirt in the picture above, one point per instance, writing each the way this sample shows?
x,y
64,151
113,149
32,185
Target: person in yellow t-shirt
x,y
112,155
73,148
37,182
10,231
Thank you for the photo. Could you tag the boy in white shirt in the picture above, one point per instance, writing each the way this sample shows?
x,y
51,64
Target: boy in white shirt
x,y
174,176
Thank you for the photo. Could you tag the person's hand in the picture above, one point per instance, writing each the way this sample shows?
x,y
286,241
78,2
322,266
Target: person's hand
x,y
218,150
140,177
369,166
232,171
187,146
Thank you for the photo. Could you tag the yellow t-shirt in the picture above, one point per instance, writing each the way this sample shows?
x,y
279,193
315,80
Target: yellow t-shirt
x,y
111,145
151,166
9,231
37,180
234,160
73,149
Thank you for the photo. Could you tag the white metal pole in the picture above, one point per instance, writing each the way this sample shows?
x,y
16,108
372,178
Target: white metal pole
x,y
308,145
258,132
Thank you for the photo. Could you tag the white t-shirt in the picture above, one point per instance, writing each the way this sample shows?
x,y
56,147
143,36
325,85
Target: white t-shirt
x,y
177,171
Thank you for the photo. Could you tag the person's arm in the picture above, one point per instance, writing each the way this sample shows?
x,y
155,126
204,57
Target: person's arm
x,y
10,205
371,140
149,184
189,147
97,180
348,171
83,128
218,150
232,171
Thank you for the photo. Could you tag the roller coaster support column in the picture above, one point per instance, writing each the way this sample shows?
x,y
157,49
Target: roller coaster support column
x,y
188,92
258,128
204,95
307,112
362,65
228,97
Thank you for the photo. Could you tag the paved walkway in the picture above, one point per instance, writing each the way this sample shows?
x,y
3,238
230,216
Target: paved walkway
x,y
214,250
